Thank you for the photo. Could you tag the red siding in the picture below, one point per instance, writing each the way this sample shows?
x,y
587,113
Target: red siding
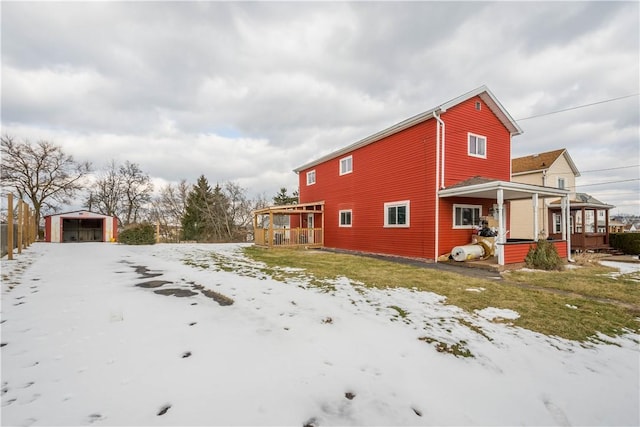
x,y
403,167
450,237
400,167
47,229
464,119
516,253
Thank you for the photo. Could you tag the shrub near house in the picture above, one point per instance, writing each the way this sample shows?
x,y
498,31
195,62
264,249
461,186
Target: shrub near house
x,y
629,243
138,234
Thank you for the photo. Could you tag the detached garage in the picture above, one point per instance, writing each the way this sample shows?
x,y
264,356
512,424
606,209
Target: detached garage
x,y
80,226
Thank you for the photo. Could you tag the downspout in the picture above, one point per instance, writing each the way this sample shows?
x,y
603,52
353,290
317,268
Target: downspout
x,y
437,219
443,147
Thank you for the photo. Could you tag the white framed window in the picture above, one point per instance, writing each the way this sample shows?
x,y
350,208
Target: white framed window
x,y
311,177
477,145
345,218
397,214
346,165
466,216
557,223
561,183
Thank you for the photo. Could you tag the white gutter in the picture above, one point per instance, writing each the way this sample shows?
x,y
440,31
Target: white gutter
x,y
437,222
441,124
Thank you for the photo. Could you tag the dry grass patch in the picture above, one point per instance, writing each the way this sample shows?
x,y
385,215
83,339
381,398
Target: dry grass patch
x,y
542,311
591,280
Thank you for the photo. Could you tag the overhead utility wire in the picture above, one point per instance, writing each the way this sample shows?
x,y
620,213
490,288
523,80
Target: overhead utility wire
x,y
578,106
608,182
610,169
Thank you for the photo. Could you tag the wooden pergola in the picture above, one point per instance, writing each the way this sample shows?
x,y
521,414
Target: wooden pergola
x,y
299,230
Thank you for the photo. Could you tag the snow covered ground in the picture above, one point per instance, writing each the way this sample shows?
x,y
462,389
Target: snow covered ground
x,y
83,345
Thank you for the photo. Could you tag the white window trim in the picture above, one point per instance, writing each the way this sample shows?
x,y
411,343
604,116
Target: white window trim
x,y
340,224
388,205
344,159
481,156
564,183
470,226
309,175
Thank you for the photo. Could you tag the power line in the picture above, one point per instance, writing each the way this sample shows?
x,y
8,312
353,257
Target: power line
x,y
578,106
608,182
610,169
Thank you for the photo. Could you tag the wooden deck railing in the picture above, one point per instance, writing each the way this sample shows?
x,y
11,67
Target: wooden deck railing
x,y
289,237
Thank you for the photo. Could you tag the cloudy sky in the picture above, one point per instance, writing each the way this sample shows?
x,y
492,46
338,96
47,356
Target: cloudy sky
x,y
247,91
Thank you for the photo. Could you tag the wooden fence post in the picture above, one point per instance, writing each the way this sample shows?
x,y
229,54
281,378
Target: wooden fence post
x,y
25,224
9,226
20,226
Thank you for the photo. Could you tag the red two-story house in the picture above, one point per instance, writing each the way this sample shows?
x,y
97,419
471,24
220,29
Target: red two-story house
x,y
418,188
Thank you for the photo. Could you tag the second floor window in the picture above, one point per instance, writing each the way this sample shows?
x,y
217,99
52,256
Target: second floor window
x,y
477,146
346,165
561,183
311,177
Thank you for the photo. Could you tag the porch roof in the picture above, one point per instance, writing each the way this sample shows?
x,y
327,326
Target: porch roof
x,y
292,209
485,188
583,200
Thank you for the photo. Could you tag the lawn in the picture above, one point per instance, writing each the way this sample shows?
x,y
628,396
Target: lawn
x,y
576,304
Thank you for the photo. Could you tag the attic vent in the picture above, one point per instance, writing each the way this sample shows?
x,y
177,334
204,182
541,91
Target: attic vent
x,y
478,105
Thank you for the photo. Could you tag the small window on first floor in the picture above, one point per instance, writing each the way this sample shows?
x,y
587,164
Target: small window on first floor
x,y
466,216
311,177
345,218
396,214
557,223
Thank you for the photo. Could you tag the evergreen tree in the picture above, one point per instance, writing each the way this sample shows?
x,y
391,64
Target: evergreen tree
x,y
282,198
194,222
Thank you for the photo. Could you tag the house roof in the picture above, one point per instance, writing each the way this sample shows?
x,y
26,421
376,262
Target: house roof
x,y
483,92
541,161
584,200
80,214
486,188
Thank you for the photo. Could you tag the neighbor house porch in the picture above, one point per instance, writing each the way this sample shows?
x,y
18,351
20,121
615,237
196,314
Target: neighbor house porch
x,y
299,225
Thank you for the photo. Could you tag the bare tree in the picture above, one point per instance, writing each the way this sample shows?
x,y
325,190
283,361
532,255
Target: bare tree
x,y
41,172
105,196
169,207
137,188
121,191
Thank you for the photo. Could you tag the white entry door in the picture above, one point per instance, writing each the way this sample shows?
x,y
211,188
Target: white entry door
x,y
310,232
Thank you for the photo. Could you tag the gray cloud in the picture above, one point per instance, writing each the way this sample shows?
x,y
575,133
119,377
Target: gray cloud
x,y
248,91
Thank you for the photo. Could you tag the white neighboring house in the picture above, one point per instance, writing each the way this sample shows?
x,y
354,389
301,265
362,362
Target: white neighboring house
x,y
550,169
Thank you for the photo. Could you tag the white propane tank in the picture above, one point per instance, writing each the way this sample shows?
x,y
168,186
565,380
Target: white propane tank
x,y
463,253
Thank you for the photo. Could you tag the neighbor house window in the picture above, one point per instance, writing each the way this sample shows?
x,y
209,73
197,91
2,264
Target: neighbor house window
x,y
396,214
477,146
466,216
557,223
311,177
345,218
561,183
346,165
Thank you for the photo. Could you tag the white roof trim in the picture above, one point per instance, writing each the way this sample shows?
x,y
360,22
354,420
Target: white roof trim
x,y
512,190
484,93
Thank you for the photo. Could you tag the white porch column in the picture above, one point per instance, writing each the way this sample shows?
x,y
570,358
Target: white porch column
x,y
501,231
566,229
536,225
565,218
